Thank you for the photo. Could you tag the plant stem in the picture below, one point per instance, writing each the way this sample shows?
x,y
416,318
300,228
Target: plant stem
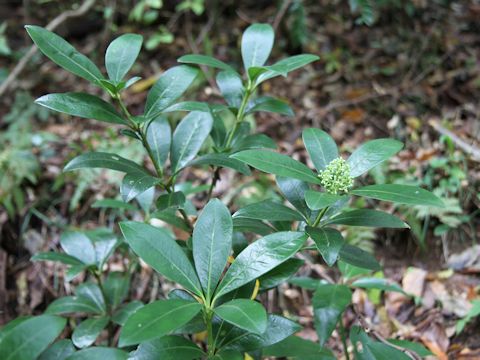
x,y
343,335
210,339
107,305
319,217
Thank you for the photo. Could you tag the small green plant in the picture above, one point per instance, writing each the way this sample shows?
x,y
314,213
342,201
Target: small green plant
x,y
218,274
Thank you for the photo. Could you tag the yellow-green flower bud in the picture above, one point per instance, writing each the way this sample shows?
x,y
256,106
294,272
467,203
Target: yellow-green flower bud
x,y
336,177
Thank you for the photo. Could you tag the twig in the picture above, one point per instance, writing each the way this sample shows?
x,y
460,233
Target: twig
x,y
281,13
52,25
469,149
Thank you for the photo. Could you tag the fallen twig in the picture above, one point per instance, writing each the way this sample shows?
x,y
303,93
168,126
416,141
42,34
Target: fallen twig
x,y
52,25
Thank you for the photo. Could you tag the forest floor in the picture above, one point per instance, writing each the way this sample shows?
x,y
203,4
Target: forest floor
x,y
414,77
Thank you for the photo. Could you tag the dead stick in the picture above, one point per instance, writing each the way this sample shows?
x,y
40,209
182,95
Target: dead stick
x,y
52,25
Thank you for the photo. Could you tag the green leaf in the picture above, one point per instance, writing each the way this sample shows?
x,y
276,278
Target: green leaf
x,y
157,319
419,349
55,256
189,137
320,147
92,292
99,353
136,183
317,200
103,160
169,87
124,312
298,348
260,257
284,66
28,339
78,245
188,106
378,283
168,215
116,288
472,313
268,210
72,304
245,314
355,256
59,350
294,191
329,302
114,204
212,243
270,104
255,141
280,274
159,138
368,218
220,160
401,194
156,247
328,242
278,164
82,105
87,332
121,55
171,200
205,60
169,347
251,225
306,282
383,351
231,87
63,54
257,43
278,328
371,154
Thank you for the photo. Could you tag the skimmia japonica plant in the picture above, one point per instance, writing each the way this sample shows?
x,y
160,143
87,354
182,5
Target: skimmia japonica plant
x,y
214,311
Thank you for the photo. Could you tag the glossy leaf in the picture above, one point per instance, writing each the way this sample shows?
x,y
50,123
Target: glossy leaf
x,y
255,141
82,105
159,138
419,349
278,328
171,200
99,353
124,312
63,54
136,183
294,191
260,257
268,210
278,164
245,314
78,245
251,225
269,104
231,87
169,216
299,349
328,242
28,339
72,304
59,350
189,137
320,147
56,256
156,247
121,55
168,88
103,160
371,154
220,160
116,287
257,43
92,292
212,243
401,194
169,347
280,274
317,200
157,319
114,204
355,256
88,330
378,283
284,66
329,302
368,218
205,60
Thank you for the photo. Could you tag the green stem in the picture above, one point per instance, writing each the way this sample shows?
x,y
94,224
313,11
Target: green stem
x,y
319,217
240,115
210,338
98,277
343,335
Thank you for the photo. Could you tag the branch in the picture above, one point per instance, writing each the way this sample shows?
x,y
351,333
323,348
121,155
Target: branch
x,y
52,25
